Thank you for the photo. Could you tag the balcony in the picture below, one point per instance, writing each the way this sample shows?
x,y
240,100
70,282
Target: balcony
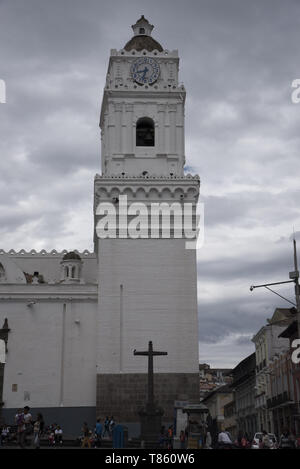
x,y
279,401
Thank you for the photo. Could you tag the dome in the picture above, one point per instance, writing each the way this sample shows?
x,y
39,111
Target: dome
x,y
143,42
72,255
142,38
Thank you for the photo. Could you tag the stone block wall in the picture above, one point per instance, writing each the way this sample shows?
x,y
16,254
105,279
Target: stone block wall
x,y
122,395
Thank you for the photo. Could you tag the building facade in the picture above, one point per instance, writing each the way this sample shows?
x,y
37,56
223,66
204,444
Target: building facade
x,y
75,318
268,345
212,378
284,401
244,396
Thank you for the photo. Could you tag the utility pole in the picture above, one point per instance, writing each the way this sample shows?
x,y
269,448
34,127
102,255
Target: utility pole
x,y
294,278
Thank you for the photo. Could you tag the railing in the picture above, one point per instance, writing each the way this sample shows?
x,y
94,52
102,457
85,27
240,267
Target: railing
x,y
278,400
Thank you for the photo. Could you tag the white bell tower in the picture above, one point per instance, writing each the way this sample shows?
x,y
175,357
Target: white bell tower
x,y
147,287
142,117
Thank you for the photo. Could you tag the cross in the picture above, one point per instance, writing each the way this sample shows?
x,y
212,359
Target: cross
x,y
150,353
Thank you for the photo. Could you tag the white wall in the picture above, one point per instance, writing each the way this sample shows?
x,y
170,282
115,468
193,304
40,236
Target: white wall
x,y
36,361
159,304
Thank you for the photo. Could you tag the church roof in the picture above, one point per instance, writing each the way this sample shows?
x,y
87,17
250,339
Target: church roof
x,y
71,255
143,42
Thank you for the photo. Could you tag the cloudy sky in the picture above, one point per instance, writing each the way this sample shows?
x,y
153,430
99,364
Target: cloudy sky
x,y
238,60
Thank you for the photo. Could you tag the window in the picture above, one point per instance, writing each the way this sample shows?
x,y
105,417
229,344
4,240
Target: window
x,y
73,272
142,30
145,132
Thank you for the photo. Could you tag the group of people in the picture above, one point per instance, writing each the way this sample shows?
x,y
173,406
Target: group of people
x,y
27,427
101,431
286,441
27,431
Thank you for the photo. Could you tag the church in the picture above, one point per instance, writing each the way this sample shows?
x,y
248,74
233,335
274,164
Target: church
x,y
70,320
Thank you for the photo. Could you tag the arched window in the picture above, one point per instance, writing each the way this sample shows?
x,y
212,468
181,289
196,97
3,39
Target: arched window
x,y
73,272
145,132
66,272
2,273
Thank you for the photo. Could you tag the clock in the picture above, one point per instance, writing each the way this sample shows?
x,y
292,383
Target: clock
x,y
145,70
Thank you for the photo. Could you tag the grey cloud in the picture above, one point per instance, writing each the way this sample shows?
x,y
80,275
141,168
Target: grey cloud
x,y
238,60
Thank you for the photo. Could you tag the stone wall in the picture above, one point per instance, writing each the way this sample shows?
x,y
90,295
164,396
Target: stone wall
x,y
122,395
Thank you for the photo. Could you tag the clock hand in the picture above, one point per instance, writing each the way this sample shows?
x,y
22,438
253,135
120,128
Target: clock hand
x,y
143,72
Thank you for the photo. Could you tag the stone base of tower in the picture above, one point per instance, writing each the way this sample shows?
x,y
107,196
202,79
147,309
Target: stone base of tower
x,y
123,395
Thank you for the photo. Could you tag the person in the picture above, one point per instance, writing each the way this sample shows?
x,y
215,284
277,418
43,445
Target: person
x,y
111,426
170,437
86,436
265,442
4,437
242,441
182,439
27,422
106,427
286,440
98,433
58,435
208,441
38,428
224,440
20,422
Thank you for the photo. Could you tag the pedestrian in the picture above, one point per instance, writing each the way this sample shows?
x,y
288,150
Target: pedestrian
x,y
38,428
98,433
286,440
111,426
28,422
170,437
208,441
58,435
20,422
4,437
182,439
265,442
86,436
224,441
106,427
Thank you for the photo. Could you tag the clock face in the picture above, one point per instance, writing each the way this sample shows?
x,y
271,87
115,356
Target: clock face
x,y
145,70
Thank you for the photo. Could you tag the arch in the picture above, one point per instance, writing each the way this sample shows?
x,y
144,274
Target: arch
x,y
145,134
2,273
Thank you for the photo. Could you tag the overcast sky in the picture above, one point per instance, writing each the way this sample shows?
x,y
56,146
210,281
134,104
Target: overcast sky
x,y
238,60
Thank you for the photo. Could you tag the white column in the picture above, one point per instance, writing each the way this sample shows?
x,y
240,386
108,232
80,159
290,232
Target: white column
x,y
160,144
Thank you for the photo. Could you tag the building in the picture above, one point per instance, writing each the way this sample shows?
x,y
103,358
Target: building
x,y
268,344
230,423
74,319
212,378
284,402
216,402
244,396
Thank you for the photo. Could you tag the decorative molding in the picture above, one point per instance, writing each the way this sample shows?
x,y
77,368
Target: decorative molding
x,y
43,253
